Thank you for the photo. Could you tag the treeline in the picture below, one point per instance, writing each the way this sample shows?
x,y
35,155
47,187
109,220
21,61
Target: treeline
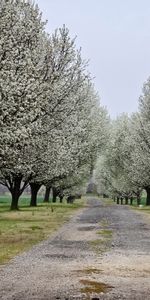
x,y
52,126
123,171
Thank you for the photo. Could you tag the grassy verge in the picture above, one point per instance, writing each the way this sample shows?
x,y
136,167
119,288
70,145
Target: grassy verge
x,y
108,202
142,201
144,209
19,230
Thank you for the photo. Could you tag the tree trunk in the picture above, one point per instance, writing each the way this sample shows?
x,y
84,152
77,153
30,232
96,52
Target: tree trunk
x,y
70,199
61,195
126,200
61,198
121,201
47,194
148,195
118,200
138,198
34,191
15,192
131,200
54,194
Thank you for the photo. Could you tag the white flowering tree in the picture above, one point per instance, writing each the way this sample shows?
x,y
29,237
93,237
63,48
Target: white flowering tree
x,y
73,185
140,166
71,146
22,89
50,120
113,172
37,75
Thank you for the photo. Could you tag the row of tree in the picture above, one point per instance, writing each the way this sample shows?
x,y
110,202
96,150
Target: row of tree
x,y
51,123
124,170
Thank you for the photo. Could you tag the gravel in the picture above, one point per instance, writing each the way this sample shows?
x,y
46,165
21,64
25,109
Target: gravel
x,y
54,268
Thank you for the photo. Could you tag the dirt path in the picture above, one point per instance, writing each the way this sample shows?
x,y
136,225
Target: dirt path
x,y
102,253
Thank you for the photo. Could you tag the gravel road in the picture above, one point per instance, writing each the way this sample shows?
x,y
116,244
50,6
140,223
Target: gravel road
x,y
101,253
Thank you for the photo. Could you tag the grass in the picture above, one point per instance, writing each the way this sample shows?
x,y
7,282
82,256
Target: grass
x,y
143,201
134,204
144,209
108,201
97,242
19,230
105,232
102,244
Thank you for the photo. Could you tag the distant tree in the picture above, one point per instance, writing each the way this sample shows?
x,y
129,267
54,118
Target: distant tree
x,y
140,167
113,169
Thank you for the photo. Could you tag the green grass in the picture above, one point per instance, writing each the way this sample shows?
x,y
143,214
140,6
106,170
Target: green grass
x,y
110,201
103,243
97,242
142,209
19,230
143,201
105,232
24,201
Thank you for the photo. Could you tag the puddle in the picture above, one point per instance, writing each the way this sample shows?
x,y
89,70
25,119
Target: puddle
x,y
96,287
59,256
87,228
89,271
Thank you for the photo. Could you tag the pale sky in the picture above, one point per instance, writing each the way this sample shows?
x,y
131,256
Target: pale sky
x,y
115,36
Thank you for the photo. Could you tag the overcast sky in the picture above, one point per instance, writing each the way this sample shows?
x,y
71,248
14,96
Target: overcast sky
x,y
115,36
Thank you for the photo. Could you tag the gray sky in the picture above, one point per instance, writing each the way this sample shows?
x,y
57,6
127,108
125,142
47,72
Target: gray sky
x,y
115,36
